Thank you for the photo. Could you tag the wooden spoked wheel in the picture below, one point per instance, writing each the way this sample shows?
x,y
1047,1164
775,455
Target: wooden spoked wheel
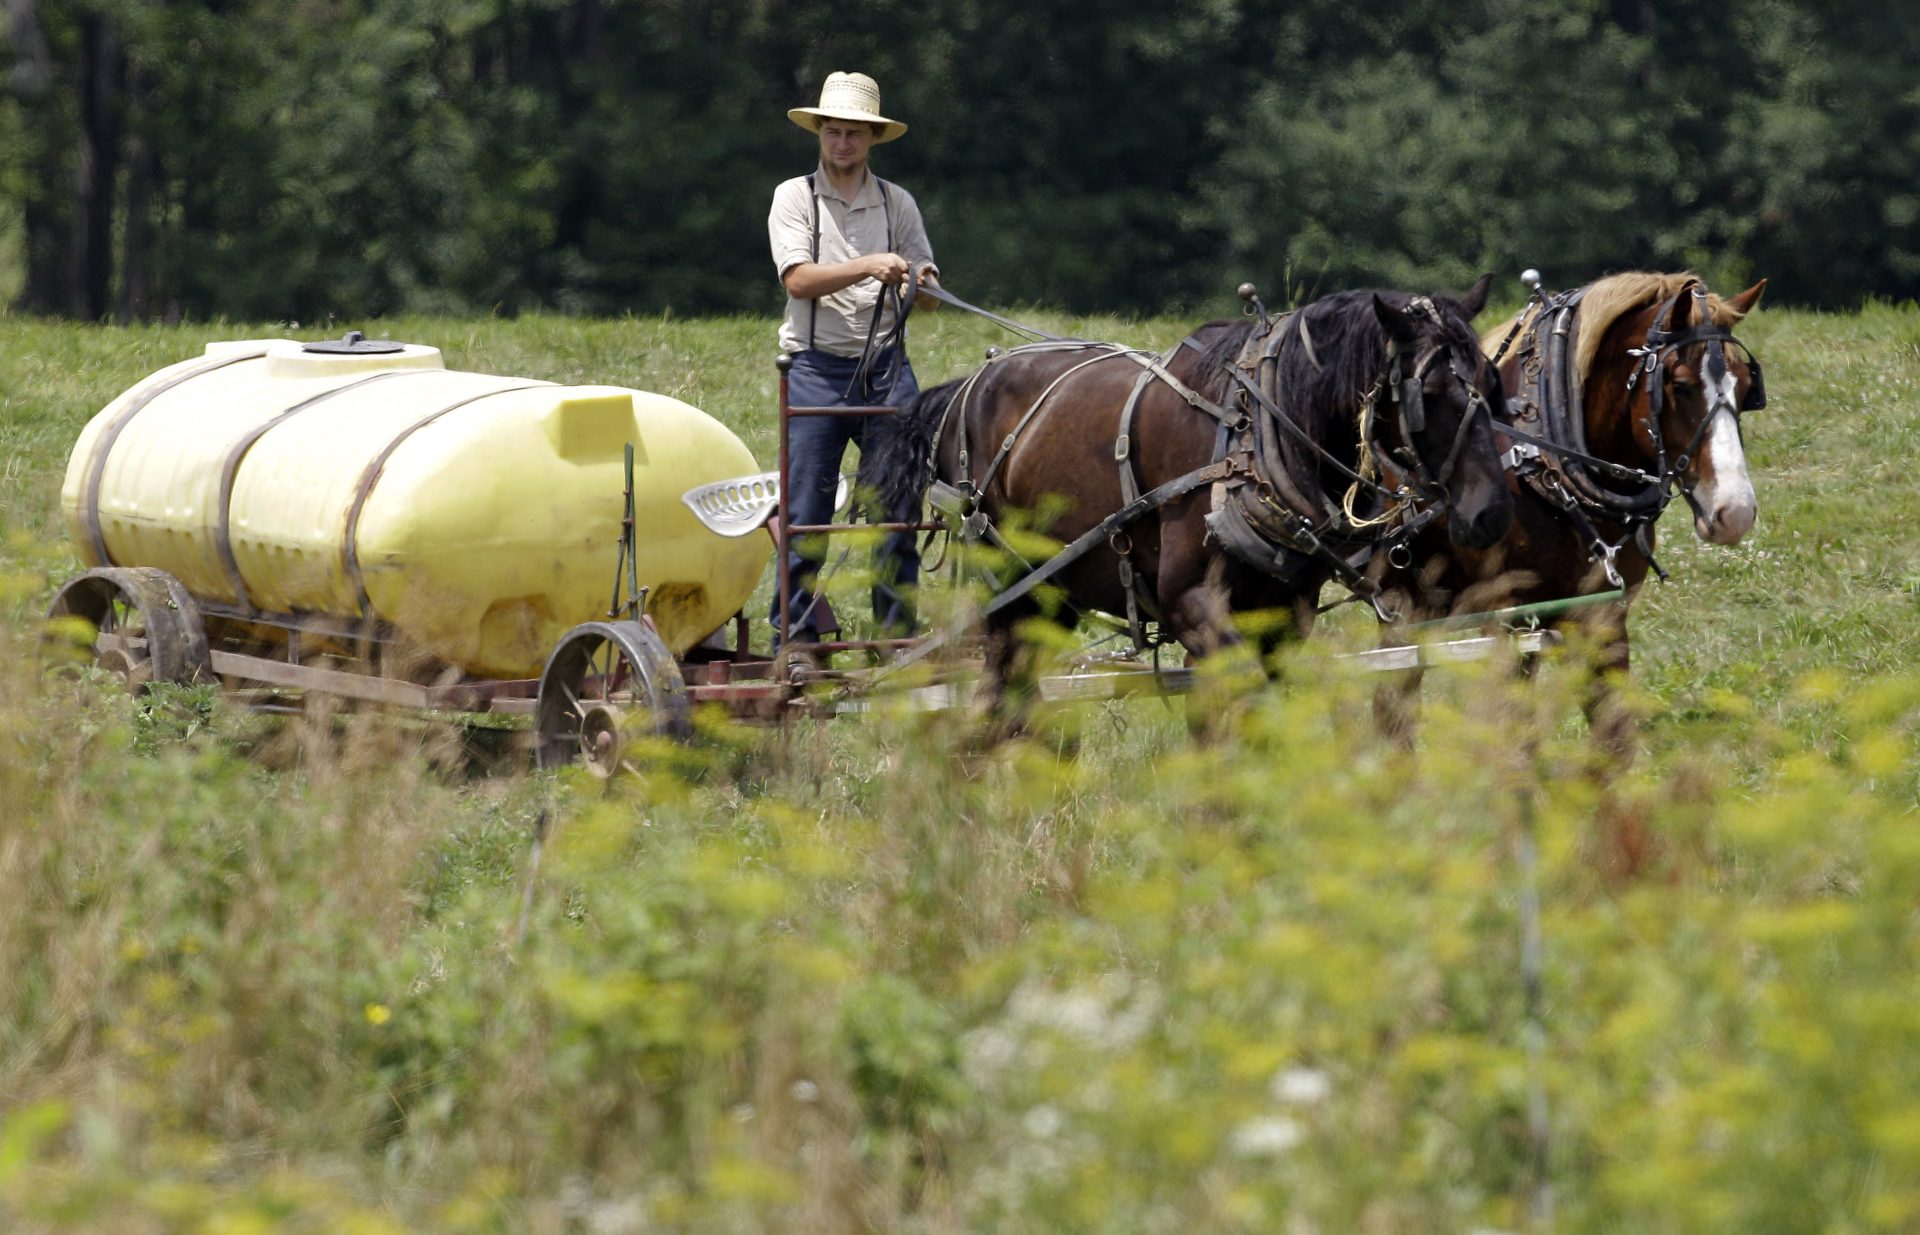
x,y
607,684
145,626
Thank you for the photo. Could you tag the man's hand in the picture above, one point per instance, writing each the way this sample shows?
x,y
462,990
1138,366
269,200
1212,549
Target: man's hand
x,y
810,280
888,268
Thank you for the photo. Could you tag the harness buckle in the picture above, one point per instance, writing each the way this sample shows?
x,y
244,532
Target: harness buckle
x,y
1604,553
1521,452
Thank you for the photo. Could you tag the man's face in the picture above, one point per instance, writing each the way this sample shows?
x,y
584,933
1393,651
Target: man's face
x,y
844,144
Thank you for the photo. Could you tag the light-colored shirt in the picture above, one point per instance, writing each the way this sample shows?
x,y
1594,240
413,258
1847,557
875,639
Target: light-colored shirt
x,y
848,229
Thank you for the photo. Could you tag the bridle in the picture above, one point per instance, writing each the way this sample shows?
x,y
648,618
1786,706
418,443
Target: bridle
x,y
1662,345
1407,394
1558,463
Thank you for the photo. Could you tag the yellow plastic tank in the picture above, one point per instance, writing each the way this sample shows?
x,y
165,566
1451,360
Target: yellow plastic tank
x,y
478,515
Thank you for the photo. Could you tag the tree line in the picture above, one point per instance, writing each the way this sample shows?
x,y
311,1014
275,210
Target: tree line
x,y
306,159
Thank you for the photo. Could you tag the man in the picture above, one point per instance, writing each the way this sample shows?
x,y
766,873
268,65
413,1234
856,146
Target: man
x,y
840,237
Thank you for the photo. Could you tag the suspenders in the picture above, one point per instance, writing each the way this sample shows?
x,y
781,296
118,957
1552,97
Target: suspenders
x,y
886,208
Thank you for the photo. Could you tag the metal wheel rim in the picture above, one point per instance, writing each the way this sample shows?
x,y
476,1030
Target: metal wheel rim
x,y
596,699
120,644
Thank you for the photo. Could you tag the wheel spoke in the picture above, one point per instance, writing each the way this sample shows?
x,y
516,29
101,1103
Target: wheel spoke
x,y
599,698
600,674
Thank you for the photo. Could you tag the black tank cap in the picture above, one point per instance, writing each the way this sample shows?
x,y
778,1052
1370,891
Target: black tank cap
x,y
353,343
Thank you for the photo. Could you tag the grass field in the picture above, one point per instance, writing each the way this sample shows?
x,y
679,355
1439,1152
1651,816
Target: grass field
x,y
303,975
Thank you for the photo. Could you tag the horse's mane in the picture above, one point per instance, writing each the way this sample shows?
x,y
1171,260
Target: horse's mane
x,y
1349,345
1349,357
1606,302
1221,341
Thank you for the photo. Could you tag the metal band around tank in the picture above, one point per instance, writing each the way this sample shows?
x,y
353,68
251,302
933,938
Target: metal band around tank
x,y
223,537
349,545
97,465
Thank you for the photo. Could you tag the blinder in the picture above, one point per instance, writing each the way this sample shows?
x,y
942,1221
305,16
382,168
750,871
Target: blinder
x,y
1407,390
1756,396
1408,394
1662,342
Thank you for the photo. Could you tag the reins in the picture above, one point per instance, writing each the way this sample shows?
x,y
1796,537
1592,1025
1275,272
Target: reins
x,y
894,341
941,294
1283,512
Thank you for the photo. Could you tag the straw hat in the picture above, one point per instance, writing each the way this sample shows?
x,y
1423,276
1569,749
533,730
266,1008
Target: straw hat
x,y
848,96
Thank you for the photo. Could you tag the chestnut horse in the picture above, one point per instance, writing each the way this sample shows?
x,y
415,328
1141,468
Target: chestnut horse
x,y
1626,391
1241,471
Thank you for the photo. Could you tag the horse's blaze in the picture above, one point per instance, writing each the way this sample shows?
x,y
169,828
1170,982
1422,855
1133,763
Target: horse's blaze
x,y
1727,503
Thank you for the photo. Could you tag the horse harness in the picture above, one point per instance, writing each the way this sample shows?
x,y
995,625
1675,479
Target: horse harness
x,y
1249,520
1262,508
976,525
1551,456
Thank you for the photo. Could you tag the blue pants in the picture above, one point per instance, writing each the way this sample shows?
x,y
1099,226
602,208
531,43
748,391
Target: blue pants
x,y
816,445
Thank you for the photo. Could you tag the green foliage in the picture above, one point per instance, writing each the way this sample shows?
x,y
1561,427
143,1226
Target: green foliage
x,y
348,158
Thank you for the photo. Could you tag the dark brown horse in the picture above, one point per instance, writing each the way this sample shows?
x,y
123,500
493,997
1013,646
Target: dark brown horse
x,y
1241,471
1626,393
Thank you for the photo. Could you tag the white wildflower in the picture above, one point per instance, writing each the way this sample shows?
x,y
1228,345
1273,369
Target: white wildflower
x,y
1043,1122
1301,1086
989,1050
1266,1137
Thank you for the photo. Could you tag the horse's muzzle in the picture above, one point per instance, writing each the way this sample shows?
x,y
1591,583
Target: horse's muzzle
x,y
1481,525
1727,523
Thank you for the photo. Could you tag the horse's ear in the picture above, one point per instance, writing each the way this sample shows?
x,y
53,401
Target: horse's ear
x,y
1397,324
1744,302
1681,315
1474,298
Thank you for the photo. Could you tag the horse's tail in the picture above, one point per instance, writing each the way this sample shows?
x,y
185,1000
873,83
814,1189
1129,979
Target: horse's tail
x,y
897,461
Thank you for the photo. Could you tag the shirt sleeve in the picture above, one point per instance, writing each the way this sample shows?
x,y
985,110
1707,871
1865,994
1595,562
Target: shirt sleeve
x,y
911,233
790,226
